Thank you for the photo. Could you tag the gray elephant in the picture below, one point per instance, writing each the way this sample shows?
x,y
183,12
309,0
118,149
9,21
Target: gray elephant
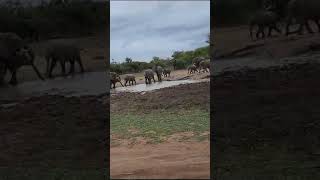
x,y
192,69
158,70
303,11
196,61
62,53
15,53
130,78
149,75
166,72
264,19
205,65
114,78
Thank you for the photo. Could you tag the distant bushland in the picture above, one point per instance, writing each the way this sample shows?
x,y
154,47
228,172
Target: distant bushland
x,y
181,59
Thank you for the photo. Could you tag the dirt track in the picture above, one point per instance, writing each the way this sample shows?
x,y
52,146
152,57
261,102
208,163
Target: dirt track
x,y
179,160
176,157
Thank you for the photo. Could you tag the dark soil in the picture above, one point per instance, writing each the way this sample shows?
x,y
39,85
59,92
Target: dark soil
x,y
266,122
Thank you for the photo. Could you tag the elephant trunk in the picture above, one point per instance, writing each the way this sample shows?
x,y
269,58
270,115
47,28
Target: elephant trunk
x,y
121,83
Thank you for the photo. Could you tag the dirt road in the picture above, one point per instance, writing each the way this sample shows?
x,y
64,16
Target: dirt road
x,y
177,117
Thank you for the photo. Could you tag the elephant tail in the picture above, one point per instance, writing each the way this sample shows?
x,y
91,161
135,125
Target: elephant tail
x,y
251,30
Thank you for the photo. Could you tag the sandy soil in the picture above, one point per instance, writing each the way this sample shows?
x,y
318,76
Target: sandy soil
x,y
171,159
174,160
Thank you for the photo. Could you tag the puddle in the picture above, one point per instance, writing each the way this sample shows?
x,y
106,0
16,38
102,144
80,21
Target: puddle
x,y
90,83
154,86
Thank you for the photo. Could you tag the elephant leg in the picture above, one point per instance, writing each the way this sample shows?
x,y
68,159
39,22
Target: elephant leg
x,y
71,71
288,28
269,31
125,84
47,67
153,79
13,80
308,27
80,65
317,23
145,80
53,64
277,29
63,68
135,83
37,71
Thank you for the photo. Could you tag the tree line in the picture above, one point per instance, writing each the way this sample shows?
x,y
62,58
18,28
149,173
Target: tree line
x,y
178,60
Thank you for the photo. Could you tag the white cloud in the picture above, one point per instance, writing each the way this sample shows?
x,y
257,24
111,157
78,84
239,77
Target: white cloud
x,y
141,29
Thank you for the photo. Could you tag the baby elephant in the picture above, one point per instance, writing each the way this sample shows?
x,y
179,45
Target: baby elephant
x,y
192,69
166,72
129,78
114,78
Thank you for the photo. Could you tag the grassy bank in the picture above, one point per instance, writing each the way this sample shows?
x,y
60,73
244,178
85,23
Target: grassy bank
x,y
159,125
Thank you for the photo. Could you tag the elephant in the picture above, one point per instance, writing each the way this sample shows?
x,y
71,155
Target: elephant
x,y
303,11
204,65
158,70
166,72
264,19
192,69
15,53
114,78
62,53
149,75
196,61
129,78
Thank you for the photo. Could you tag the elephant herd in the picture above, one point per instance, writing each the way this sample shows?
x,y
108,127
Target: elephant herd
x,y
148,75
199,64
300,12
15,53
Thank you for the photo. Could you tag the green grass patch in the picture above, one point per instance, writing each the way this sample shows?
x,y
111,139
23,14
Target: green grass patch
x,y
157,125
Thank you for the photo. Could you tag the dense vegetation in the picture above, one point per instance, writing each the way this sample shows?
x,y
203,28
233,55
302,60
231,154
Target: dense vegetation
x,y
53,18
181,59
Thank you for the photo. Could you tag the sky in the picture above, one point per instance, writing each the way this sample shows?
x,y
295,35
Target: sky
x,y
141,30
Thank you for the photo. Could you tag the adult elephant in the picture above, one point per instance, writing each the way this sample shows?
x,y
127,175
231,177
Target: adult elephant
x,y
15,53
158,70
148,76
264,19
62,53
114,78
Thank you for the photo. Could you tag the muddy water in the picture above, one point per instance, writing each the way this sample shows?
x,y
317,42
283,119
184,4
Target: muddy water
x,y
91,83
154,86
